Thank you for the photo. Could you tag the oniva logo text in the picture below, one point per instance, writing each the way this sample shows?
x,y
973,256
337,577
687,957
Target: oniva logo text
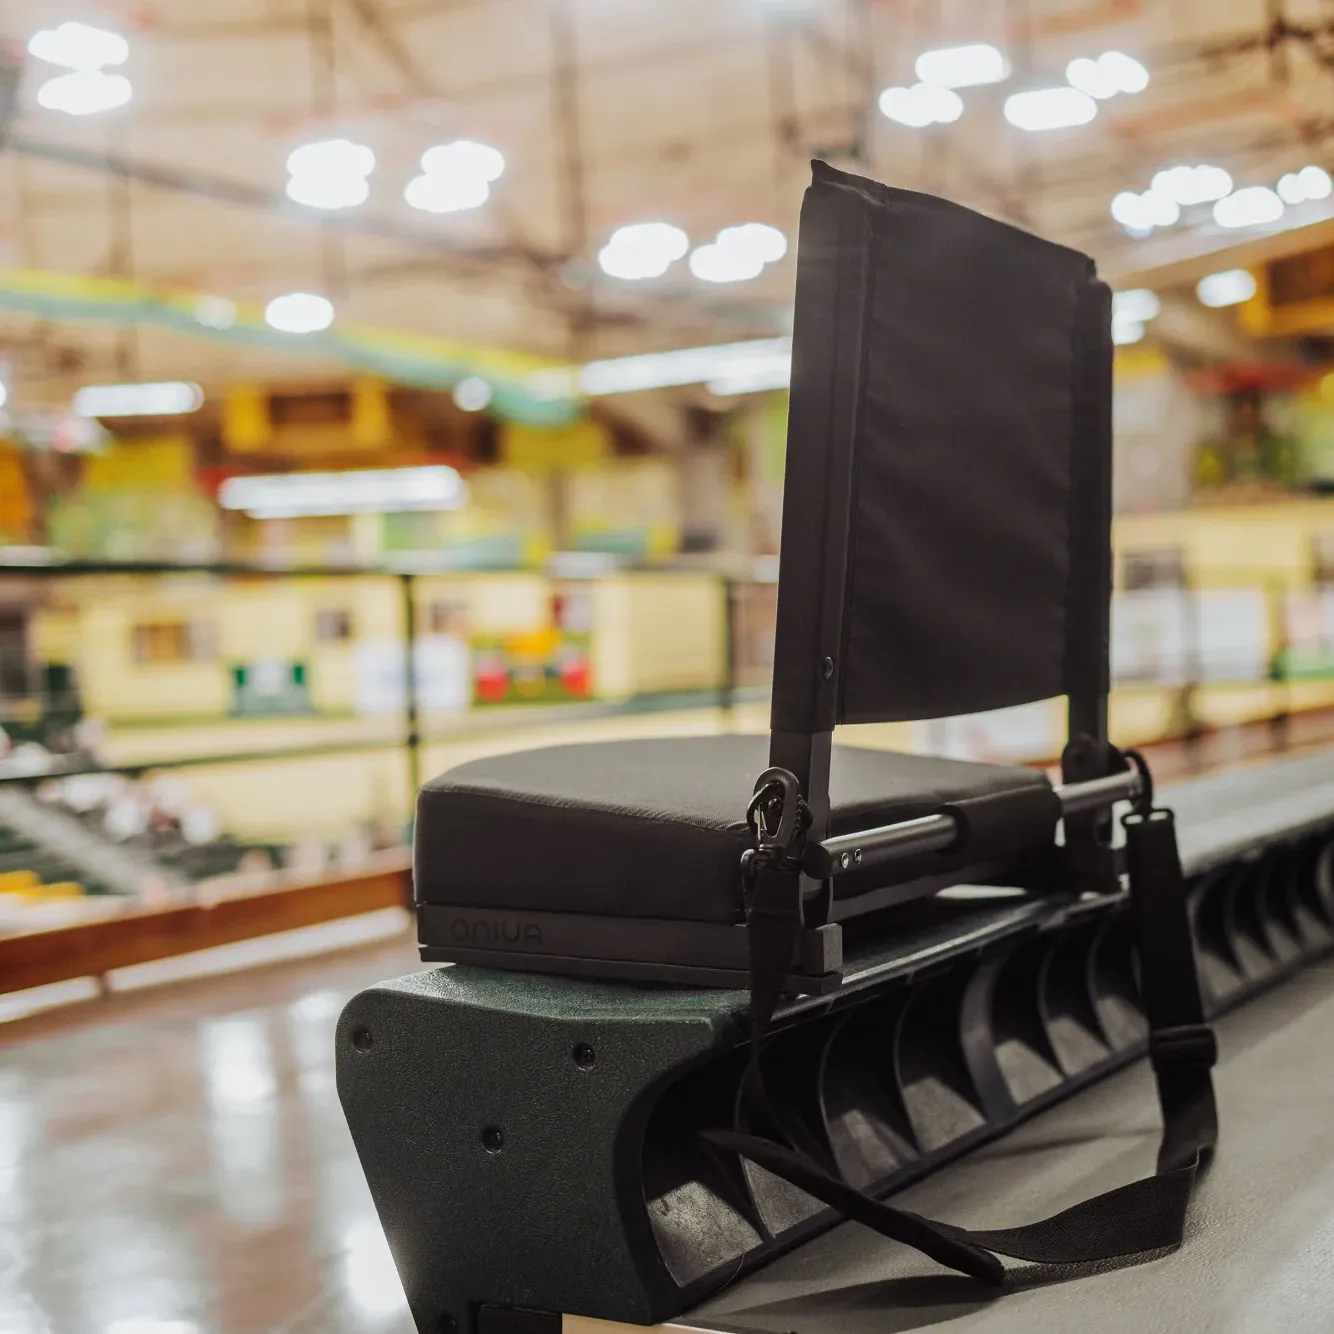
x,y
494,931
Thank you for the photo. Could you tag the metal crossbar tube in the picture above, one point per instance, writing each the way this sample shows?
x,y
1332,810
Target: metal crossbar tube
x,y
887,843
934,833
1077,798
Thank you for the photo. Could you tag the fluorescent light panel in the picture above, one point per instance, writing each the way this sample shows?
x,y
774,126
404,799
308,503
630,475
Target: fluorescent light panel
x,y
168,398
314,494
760,362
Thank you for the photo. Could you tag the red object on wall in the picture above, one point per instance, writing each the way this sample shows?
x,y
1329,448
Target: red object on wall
x,y
1237,377
575,675
491,678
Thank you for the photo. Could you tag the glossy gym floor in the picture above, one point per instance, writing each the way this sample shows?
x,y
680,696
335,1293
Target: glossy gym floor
x,y
175,1161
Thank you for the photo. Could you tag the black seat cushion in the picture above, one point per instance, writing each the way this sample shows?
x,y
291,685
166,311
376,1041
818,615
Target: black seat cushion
x,y
656,828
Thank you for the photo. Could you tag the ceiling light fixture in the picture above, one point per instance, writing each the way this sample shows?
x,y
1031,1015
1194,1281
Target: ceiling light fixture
x,y
1200,184
464,159
168,398
1137,303
328,193
455,177
472,394
217,312
1050,109
1254,206
1127,331
962,66
84,92
738,254
1228,288
713,264
432,194
921,105
642,250
757,237
84,51
1139,214
1296,187
1111,73
79,46
1315,181
299,313
330,174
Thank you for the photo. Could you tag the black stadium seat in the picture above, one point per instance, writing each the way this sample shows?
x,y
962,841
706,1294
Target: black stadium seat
x,y
945,549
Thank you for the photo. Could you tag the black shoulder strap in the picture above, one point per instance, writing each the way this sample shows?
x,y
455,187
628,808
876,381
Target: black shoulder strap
x,y
1146,1215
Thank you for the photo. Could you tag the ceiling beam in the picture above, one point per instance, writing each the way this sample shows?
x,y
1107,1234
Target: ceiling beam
x,y
221,190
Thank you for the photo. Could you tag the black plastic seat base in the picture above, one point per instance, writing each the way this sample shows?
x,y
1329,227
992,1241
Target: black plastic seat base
x,y
572,1107
625,970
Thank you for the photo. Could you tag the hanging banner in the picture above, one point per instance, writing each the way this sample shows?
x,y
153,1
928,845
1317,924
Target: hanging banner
x,y
523,388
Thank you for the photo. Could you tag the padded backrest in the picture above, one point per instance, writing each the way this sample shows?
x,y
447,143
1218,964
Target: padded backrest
x,y
946,516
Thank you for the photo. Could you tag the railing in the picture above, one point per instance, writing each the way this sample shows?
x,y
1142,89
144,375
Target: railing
x,y
1239,635
395,673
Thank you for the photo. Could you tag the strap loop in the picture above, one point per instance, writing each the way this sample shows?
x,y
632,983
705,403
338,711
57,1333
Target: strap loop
x,y
1187,1045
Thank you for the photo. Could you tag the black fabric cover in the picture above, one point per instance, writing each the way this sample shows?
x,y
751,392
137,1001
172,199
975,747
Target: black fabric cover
x,y
950,365
656,828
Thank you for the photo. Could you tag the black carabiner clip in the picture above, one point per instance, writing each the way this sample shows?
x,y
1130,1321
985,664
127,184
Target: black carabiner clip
x,y
775,787
1142,803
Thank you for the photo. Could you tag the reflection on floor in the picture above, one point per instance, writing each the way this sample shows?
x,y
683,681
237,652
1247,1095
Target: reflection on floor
x,y
176,1162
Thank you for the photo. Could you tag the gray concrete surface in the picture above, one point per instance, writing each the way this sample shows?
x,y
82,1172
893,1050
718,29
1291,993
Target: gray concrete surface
x,y
1259,1254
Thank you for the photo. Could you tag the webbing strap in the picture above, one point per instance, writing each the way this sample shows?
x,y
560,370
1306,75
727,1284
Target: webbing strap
x,y
1146,1215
